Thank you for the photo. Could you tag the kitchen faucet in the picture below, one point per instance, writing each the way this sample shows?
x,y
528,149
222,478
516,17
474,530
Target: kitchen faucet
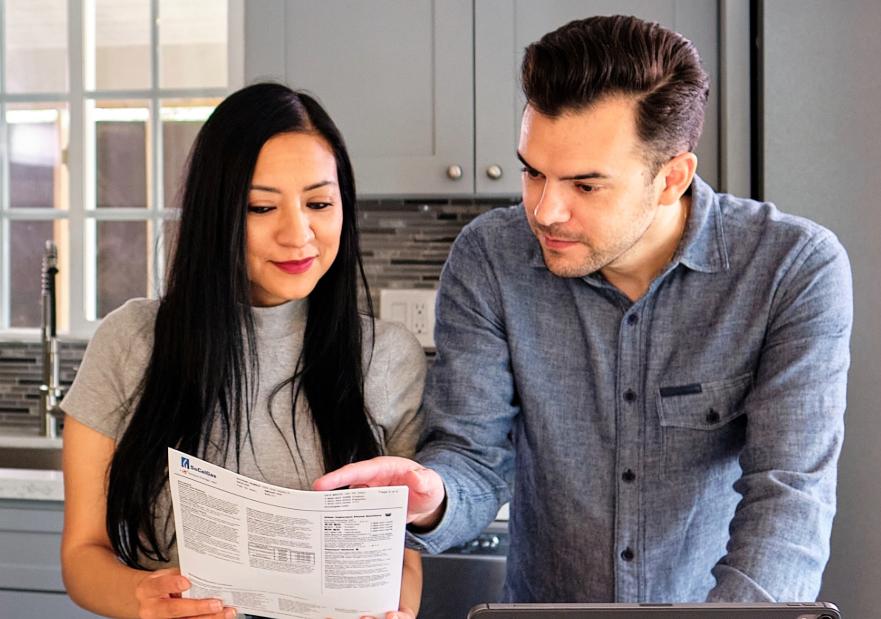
x,y
50,388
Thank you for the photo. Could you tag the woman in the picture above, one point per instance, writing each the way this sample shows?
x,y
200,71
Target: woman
x,y
256,358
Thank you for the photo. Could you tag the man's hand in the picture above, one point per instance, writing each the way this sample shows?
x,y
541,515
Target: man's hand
x,y
425,502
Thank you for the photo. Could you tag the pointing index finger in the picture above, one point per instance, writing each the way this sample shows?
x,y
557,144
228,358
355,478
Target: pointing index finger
x,y
365,473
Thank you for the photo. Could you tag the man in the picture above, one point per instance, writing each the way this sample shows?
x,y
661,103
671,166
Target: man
x,y
658,369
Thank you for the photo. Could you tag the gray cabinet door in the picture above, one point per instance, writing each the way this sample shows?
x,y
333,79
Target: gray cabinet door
x,y
30,545
395,75
27,604
30,566
503,29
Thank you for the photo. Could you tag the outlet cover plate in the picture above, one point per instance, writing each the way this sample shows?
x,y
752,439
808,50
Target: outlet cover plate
x,y
413,307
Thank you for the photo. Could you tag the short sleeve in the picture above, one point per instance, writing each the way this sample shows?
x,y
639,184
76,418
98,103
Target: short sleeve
x,y
112,368
399,366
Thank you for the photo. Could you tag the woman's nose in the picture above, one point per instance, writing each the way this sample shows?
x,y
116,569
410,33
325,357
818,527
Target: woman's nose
x,y
295,228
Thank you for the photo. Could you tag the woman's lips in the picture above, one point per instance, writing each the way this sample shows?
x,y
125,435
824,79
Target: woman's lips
x,y
295,266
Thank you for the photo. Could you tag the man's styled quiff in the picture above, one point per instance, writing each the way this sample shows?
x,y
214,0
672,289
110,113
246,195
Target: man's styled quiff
x,y
588,60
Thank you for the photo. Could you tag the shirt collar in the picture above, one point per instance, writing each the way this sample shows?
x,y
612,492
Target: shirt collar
x,y
702,248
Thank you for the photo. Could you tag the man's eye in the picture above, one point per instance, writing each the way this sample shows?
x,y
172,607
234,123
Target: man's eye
x,y
259,210
317,206
586,188
530,172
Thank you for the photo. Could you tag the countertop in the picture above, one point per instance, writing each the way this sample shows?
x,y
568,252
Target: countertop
x,y
30,484
48,485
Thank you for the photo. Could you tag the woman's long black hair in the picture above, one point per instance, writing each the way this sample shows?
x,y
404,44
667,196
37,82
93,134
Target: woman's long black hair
x,y
200,373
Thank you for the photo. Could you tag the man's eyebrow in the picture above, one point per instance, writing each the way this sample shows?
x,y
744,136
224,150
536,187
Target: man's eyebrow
x,y
524,162
306,188
575,177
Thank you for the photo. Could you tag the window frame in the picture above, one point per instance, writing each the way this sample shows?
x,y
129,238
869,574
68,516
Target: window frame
x,y
78,158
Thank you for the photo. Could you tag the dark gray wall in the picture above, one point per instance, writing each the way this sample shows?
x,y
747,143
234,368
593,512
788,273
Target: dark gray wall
x,y
822,150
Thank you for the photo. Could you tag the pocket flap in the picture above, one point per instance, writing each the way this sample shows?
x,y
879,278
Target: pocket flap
x,y
704,406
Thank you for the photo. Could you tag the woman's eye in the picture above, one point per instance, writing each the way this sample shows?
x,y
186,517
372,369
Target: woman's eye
x,y
259,210
317,206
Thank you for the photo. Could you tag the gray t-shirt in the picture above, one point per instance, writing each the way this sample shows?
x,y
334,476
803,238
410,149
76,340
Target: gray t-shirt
x,y
117,357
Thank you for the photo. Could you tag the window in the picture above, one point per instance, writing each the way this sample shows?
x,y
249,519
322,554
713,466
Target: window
x,y
99,103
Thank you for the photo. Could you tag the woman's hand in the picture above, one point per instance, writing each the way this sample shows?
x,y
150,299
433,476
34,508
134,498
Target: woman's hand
x,y
159,597
401,613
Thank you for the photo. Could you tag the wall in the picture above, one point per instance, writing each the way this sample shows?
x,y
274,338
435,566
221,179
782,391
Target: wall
x,y
822,152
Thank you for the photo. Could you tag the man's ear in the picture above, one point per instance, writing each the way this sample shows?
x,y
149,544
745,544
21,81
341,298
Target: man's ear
x,y
676,176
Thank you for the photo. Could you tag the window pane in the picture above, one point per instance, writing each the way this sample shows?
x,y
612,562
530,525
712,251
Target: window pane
x,y
27,242
36,45
181,121
192,44
37,135
123,263
121,153
122,45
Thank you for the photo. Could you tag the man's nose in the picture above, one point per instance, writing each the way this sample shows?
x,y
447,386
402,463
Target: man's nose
x,y
551,208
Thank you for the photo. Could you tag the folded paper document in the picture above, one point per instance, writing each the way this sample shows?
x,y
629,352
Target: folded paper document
x,y
282,553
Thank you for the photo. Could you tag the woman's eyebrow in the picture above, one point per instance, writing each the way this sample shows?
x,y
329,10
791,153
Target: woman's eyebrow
x,y
265,188
306,188
317,185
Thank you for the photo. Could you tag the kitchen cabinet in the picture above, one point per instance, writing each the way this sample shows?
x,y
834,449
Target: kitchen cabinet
x,y
426,93
504,28
395,75
30,566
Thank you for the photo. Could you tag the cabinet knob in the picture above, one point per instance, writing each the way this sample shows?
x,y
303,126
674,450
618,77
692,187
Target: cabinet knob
x,y
494,172
454,172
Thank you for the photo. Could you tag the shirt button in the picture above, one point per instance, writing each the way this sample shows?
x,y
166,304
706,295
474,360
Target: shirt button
x,y
628,476
712,416
629,395
627,554
632,319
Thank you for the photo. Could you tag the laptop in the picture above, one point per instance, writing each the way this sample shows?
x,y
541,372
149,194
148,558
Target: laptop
x,y
813,610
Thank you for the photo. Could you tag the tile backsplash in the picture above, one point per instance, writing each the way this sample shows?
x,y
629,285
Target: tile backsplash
x,y
404,244
20,379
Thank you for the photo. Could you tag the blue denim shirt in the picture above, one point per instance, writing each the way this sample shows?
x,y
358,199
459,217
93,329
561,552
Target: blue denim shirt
x,y
682,447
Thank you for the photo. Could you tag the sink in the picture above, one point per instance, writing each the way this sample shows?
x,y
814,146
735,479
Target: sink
x,y
30,452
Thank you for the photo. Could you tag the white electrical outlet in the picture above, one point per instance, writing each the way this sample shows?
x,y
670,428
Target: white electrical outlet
x,y
414,308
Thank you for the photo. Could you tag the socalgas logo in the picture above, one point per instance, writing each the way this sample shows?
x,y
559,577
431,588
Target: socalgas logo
x,y
186,466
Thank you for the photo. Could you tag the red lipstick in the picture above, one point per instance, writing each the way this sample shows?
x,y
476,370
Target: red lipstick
x,y
295,267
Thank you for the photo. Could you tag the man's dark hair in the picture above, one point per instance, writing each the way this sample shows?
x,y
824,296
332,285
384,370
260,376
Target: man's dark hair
x,y
589,60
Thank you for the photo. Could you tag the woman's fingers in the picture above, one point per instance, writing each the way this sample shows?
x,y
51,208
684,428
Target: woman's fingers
x,y
167,608
162,583
159,597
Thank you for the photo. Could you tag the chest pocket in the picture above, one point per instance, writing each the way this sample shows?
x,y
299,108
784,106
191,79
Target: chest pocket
x,y
702,425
